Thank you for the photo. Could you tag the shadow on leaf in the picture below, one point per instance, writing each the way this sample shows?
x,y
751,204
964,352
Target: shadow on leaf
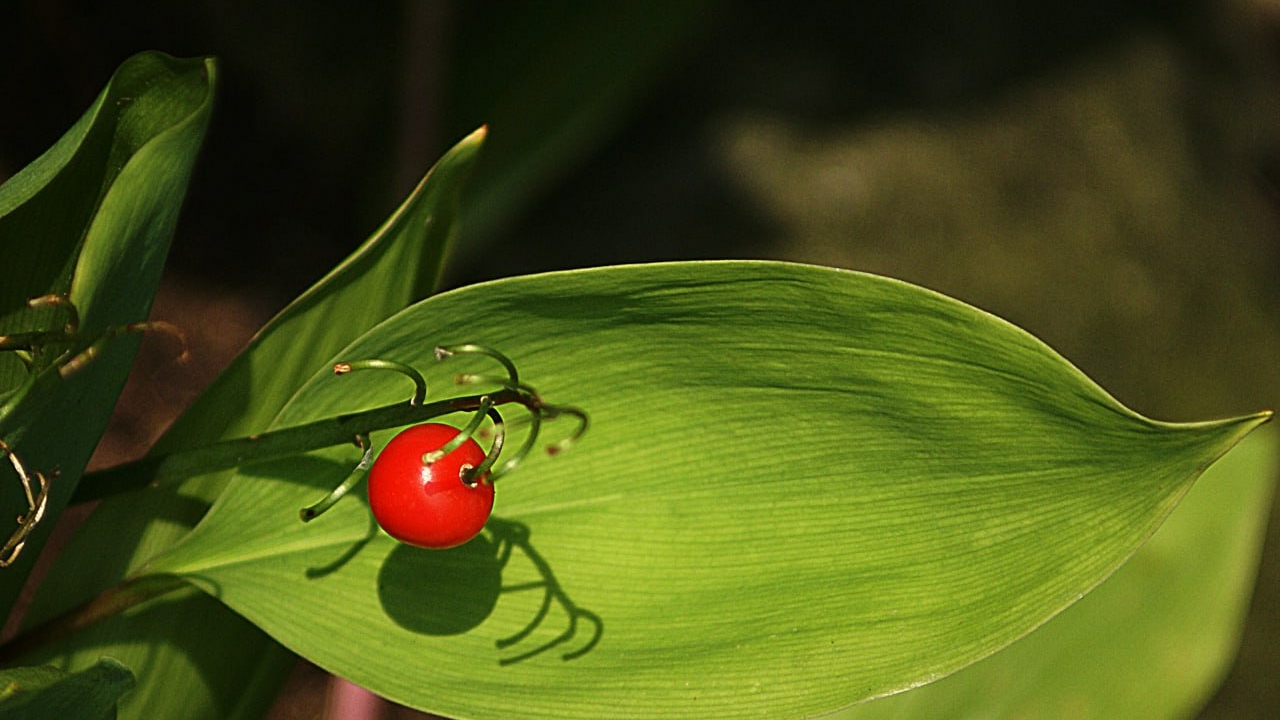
x,y
449,592
347,556
441,592
511,536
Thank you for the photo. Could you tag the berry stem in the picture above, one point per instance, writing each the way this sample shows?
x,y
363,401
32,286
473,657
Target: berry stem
x,y
530,439
551,412
513,376
311,512
419,383
486,404
495,449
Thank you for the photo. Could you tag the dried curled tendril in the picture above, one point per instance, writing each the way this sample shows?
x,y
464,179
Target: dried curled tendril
x,y
55,353
60,348
37,499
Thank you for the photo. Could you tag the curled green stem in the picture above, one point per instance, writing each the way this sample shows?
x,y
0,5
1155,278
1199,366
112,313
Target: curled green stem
x,y
419,383
480,471
444,352
486,404
552,412
311,512
531,438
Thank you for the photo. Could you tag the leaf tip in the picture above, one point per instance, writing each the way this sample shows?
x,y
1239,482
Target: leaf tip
x,y
477,136
1251,422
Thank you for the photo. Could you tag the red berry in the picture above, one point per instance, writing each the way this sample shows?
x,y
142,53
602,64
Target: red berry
x,y
429,505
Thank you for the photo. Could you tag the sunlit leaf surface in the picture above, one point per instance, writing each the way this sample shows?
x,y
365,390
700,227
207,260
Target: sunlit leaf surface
x,y
802,488
1151,642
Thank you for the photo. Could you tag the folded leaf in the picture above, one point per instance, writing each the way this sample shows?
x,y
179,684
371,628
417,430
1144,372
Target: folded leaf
x,y
40,693
91,219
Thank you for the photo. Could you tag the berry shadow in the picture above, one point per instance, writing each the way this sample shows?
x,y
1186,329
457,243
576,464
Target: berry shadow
x,y
440,592
449,592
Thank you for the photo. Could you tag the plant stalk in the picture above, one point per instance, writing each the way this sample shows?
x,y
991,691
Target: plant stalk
x,y
157,470
108,603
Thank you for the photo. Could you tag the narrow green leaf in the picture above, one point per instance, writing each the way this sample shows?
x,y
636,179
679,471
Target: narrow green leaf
x,y
1151,642
802,488
399,264
91,218
45,693
180,675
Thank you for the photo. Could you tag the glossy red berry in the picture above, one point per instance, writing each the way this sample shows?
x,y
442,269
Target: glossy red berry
x,y
429,504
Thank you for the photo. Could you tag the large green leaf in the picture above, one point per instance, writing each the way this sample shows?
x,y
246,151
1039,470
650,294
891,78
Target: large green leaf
x,y
92,218
1151,642
803,487
193,657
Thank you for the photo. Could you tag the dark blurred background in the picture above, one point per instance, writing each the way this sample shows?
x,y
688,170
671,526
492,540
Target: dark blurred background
x,y
1103,174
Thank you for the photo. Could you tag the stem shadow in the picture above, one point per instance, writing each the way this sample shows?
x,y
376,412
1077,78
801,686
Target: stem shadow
x,y
347,555
511,536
